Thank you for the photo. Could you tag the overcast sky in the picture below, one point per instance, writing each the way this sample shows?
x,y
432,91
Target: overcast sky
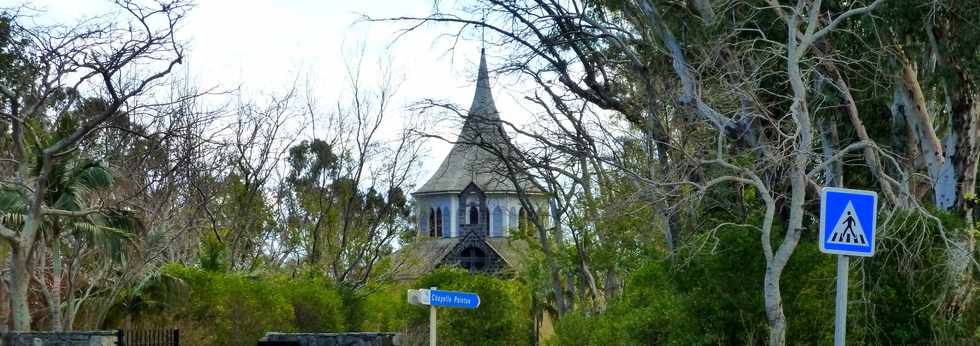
x,y
263,46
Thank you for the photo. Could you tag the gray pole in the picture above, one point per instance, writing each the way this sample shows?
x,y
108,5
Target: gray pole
x,y
840,320
432,320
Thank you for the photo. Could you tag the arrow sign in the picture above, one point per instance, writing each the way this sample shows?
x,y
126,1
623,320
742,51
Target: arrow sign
x,y
452,299
433,298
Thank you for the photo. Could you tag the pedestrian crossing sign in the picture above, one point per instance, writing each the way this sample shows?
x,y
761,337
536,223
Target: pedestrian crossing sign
x,y
847,221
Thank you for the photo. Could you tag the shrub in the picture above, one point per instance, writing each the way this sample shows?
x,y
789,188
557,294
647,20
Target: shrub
x,y
503,318
384,309
215,308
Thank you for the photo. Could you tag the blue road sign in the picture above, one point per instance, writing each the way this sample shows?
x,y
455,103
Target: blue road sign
x,y
847,221
452,299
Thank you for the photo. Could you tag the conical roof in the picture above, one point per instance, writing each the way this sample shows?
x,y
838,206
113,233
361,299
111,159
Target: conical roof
x,y
475,155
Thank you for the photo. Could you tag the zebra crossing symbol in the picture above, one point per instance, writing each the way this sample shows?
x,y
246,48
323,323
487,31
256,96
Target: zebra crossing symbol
x,y
847,221
848,229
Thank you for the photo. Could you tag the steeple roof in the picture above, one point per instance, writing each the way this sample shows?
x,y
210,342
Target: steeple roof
x,y
483,98
471,158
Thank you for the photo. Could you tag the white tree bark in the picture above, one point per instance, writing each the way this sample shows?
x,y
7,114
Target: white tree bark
x,y
909,103
829,142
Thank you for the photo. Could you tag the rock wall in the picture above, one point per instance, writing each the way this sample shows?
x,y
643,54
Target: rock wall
x,y
89,338
333,339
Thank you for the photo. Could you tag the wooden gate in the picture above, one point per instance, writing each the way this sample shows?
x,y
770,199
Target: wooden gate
x,y
148,337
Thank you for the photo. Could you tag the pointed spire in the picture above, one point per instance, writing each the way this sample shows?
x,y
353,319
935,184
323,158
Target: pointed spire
x,y
470,160
483,100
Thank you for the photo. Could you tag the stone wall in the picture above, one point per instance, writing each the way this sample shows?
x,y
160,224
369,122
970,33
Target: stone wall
x,y
90,338
336,339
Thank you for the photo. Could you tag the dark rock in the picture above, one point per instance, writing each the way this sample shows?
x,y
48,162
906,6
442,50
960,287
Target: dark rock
x,y
336,339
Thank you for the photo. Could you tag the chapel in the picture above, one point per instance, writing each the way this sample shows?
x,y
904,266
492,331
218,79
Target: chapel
x,y
468,209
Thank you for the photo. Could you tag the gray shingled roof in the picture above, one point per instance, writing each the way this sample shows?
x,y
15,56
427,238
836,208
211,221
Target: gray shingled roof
x,y
471,159
423,256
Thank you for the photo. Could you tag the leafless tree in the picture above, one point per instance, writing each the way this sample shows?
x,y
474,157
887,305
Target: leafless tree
x,y
118,62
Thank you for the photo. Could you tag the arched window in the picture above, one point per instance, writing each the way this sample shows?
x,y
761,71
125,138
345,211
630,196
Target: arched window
x,y
498,222
432,223
447,229
474,215
473,259
438,222
522,223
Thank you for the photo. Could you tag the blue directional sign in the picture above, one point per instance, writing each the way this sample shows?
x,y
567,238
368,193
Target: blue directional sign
x,y
452,299
847,221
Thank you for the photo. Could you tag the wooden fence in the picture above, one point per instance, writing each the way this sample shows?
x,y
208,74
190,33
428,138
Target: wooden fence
x,y
148,337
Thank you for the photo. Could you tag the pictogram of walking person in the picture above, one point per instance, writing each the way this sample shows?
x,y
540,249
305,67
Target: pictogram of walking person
x,y
848,235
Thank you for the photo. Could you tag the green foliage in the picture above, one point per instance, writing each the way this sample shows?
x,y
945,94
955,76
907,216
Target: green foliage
x,y
331,215
215,308
317,305
229,309
224,308
13,206
650,312
906,281
212,254
382,308
712,298
713,294
503,318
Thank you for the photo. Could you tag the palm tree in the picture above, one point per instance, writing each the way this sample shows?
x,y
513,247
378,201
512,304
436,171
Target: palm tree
x,y
75,182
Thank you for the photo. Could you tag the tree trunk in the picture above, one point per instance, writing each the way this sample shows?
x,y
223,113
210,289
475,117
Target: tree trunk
x,y
870,156
834,173
656,142
4,304
774,306
612,286
19,282
909,103
70,276
582,246
966,122
797,176
553,270
55,303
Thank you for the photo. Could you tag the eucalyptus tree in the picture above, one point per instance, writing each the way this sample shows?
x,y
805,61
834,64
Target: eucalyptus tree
x,y
932,51
116,61
261,138
727,102
344,188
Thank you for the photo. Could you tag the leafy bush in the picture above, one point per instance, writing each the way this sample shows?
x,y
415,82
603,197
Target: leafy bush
x,y
383,309
317,306
215,308
503,318
715,296
906,282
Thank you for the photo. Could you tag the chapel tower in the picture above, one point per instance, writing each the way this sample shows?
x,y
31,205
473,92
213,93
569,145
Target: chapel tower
x,y
469,207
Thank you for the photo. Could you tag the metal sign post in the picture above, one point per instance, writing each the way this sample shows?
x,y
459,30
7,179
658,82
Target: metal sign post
x,y
840,319
434,297
847,228
432,322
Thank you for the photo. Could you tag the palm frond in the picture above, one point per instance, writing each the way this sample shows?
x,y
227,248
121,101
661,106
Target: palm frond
x,y
68,200
12,219
112,241
12,201
92,175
